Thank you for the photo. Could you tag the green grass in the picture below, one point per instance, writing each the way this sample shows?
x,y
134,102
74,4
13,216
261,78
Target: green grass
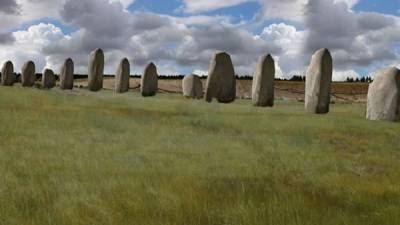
x,y
97,158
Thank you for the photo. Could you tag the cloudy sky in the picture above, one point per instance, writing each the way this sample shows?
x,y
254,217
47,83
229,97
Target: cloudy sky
x,y
181,35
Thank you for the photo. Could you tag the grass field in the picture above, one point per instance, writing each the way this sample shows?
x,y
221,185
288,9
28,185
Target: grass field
x,y
79,158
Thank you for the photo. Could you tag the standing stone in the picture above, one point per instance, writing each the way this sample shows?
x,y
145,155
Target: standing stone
x,y
149,82
28,74
67,75
263,92
96,70
384,96
7,74
122,76
192,87
221,82
318,82
48,79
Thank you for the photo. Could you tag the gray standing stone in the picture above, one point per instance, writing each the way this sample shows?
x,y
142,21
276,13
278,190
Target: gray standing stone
x,y
221,82
384,96
149,82
318,82
48,79
96,70
67,75
7,74
192,87
122,76
263,91
28,74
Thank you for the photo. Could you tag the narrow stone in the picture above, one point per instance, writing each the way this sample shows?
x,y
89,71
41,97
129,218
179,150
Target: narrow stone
x,y
149,82
192,87
48,79
28,74
221,82
122,76
318,82
96,70
7,74
384,96
67,75
263,92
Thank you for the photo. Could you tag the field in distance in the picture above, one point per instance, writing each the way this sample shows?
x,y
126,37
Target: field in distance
x,y
285,90
76,157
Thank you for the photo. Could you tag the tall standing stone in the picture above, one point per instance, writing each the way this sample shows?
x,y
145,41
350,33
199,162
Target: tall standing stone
x,y
48,79
7,74
122,76
28,74
192,87
263,91
96,70
318,82
149,82
384,96
67,75
221,82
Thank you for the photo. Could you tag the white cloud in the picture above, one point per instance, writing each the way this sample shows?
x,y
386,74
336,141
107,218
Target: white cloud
x,y
200,72
287,9
349,3
29,45
125,3
343,75
196,6
290,10
366,39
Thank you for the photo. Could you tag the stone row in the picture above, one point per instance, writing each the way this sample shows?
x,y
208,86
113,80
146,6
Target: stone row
x,y
383,94
221,82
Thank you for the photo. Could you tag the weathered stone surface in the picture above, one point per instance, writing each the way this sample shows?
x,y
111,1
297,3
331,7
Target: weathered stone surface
x,y
149,82
384,96
48,79
28,74
221,82
7,74
192,87
318,82
96,70
67,75
122,76
263,91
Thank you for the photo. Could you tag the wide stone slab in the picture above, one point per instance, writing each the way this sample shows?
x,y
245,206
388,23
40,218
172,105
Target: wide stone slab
x,y
96,70
221,82
122,76
67,75
384,96
192,87
263,90
149,82
318,82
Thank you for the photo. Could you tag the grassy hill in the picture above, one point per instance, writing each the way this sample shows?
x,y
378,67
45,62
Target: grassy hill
x,y
71,158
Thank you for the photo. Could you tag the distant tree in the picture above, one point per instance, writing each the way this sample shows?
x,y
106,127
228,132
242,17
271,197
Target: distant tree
x,y
297,78
244,77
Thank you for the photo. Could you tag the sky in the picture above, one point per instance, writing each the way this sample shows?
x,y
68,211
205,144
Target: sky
x,y
180,36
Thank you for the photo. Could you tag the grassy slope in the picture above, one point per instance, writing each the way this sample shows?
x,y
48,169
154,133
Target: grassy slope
x,y
97,158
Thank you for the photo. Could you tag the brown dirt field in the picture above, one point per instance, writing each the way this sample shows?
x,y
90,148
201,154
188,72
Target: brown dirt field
x,y
284,90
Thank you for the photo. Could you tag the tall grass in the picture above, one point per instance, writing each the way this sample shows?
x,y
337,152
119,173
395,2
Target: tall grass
x,y
71,158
